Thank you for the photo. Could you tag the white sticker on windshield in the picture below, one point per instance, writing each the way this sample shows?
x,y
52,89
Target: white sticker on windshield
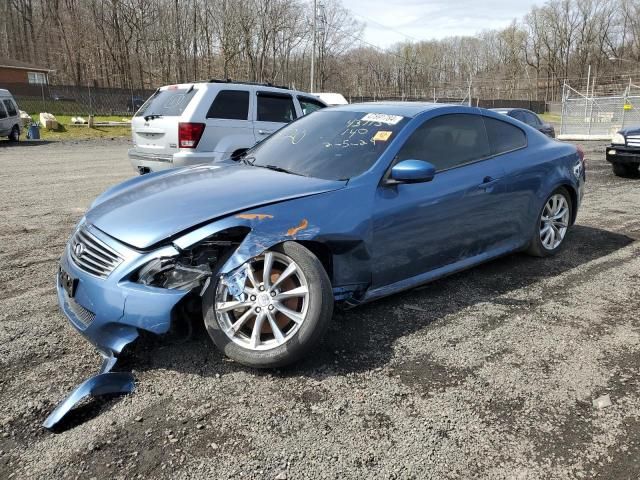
x,y
382,118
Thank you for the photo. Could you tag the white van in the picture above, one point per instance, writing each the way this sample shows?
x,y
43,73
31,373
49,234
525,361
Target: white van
x,y
10,123
203,122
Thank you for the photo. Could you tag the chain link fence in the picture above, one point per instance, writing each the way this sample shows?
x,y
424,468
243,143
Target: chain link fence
x,y
74,100
589,117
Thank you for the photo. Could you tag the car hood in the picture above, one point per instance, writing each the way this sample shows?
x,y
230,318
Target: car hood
x,y
632,130
145,212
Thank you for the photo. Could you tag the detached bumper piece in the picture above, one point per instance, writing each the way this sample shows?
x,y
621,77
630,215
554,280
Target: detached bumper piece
x,y
105,382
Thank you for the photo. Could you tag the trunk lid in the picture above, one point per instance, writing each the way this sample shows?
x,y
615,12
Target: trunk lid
x,y
154,128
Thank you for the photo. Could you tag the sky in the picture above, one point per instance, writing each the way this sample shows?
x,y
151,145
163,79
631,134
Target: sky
x,y
391,21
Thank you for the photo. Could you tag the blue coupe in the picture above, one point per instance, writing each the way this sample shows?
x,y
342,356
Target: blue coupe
x,y
347,205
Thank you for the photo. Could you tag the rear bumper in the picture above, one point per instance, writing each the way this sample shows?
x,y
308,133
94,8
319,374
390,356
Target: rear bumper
x,y
144,162
622,154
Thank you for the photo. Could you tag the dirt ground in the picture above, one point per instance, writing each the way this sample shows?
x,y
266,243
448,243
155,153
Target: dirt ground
x,y
490,373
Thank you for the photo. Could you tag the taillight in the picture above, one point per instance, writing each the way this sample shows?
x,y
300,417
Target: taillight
x,y
189,134
581,156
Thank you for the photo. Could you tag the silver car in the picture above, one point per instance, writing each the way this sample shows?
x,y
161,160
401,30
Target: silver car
x,y
195,123
10,122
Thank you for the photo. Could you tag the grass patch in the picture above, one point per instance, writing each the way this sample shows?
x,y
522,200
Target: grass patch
x,y
550,117
67,131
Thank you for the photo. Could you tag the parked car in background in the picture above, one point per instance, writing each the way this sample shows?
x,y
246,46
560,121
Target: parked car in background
x,y
530,118
195,123
624,152
332,99
134,103
10,121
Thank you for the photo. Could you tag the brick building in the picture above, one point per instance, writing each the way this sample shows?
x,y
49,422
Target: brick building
x,y
17,72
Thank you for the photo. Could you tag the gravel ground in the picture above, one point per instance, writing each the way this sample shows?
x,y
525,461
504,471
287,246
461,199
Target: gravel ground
x,y
490,373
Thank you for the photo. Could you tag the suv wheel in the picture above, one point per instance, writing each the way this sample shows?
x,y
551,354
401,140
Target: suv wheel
x,y
552,225
287,307
625,169
14,136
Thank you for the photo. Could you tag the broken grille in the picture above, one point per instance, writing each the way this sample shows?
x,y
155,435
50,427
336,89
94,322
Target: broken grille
x,y
92,255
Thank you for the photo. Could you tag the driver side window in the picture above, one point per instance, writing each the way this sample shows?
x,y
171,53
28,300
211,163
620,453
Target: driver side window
x,y
448,141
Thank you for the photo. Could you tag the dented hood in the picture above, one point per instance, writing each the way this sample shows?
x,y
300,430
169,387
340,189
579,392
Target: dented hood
x,y
145,212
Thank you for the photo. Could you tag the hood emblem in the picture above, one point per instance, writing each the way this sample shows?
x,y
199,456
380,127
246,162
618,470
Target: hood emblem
x,y
78,249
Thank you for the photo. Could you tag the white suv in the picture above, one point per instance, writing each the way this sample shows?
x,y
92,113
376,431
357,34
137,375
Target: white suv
x,y
10,121
194,123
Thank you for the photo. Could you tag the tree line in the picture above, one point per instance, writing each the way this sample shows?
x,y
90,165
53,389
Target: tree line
x,y
147,43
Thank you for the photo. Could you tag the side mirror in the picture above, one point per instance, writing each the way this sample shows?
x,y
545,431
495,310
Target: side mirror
x,y
411,171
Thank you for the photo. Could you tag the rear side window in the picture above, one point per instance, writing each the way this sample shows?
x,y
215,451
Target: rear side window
x,y
11,108
230,104
309,105
448,141
275,108
3,113
504,137
168,103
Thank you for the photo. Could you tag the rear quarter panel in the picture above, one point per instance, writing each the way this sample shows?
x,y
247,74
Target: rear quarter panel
x,y
533,173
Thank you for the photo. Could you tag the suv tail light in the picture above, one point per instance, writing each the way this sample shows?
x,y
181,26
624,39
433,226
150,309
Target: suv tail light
x,y
581,156
189,134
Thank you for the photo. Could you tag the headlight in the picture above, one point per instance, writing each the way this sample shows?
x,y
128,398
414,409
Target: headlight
x,y
172,273
618,139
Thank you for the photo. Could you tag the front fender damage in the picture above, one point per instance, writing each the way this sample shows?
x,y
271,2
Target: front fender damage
x,y
259,238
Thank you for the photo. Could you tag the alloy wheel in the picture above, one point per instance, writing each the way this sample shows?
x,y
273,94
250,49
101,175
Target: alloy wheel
x,y
275,303
554,221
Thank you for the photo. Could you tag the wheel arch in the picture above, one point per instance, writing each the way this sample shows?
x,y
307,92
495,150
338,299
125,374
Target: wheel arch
x,y
323,252
574,199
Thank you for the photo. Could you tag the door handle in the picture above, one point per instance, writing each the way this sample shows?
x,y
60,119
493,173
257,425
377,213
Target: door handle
x,y
265,132
488,182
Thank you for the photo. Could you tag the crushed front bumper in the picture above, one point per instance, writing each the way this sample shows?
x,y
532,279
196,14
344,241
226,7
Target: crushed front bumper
x,y
109,312
623,154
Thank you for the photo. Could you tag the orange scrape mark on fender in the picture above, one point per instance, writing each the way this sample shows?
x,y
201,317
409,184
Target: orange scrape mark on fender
x,y
254,216
303,224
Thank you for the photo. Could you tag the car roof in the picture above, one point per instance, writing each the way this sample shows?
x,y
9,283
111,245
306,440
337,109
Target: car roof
x,y
5,92
404,109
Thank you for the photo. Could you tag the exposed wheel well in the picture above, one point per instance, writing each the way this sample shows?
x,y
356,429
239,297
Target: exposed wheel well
x,y
323,252
574,201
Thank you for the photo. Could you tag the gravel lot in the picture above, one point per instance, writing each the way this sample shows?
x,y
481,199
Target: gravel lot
x,y
490,373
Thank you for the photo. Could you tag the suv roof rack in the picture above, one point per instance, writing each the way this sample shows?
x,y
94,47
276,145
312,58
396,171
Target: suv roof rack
x,y
261,84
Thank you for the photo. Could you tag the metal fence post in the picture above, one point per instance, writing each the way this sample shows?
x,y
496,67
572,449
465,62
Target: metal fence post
x,y
564,104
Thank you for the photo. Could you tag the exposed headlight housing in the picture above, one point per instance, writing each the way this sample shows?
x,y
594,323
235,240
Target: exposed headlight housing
x,y
618,139
173,273
193,266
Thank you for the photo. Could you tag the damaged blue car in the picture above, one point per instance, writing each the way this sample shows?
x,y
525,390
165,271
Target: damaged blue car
x,y
347,205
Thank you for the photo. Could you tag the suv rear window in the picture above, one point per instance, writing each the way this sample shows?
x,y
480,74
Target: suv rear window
x,y
275,108
11,108
169,103
230,104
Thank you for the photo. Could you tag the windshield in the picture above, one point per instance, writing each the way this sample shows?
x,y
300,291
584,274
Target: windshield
x,y
333,145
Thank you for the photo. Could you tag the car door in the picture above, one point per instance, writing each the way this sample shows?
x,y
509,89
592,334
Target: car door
x,y
273,111
4,121
419,227
229,127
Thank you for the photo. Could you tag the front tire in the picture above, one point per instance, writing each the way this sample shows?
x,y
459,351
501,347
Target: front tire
x,y
552,224
625,170
14,136
287,307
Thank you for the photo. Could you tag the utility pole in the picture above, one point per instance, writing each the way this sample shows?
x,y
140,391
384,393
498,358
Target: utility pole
x,y
313,49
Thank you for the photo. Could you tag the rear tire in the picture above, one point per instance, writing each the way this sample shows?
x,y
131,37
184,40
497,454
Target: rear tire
x,y
552,224
256,332
14,136
625,170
